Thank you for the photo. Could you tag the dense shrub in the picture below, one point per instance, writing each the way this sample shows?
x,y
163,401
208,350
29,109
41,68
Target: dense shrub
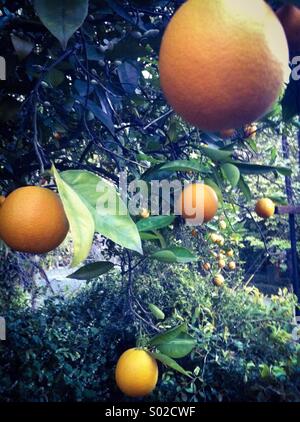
x,y
67,349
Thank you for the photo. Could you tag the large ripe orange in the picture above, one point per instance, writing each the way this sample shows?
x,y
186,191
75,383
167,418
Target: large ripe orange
x,y
136,373
289,16
265,208
223,63
198,203
32,219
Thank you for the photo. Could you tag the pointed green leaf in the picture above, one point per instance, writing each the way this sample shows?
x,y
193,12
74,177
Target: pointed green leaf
x,y
244,188
175,254
80,219
93,270
168,335
178,347
183,165
155,223
231,173
247,168
171,363
215,154
62,17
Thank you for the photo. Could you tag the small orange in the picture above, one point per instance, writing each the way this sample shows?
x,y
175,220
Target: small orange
x,y
218,280
214,237
223,225
230,253
33,220
265,208
232,265
206,266
221,263
136,373
198,203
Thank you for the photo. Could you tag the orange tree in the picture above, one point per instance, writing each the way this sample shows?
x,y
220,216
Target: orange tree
x,y
82,103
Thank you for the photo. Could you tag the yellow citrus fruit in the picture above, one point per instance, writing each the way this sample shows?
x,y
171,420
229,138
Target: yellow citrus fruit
x,y
218,280
206,266
144,213
33,220
2,199
221,240
220,256
232,265
250,131
265,208
222,225
227,133
198,202
223,63
230,253
289,16
214,237
221,263
136,373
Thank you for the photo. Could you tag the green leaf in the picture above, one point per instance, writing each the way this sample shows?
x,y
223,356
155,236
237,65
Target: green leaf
x,y
246,168
62,17
171,363
148,236
109,211
54,77
244,188
168,335
215,154
178,347
231,173
157,313
175,254
22,47
80,219
90,271
183,165
155,222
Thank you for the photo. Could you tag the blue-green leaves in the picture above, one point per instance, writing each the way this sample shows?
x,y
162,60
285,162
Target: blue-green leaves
x,y
62,17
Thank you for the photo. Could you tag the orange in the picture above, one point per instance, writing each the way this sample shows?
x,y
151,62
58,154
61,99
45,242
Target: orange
x,y
230,253
2,199
223,63
214,237
265,208
32,219
227,133
198,203
136,373
206,266
218,280
232,265
289,16
221,263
